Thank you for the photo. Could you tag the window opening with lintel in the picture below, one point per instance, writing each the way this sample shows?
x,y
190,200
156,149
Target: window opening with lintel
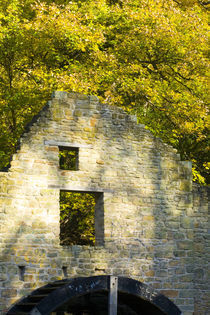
x,y
69,158
81,218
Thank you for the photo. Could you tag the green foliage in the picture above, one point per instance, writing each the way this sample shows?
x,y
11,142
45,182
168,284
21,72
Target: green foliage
x,y
68,159
147,56
77,218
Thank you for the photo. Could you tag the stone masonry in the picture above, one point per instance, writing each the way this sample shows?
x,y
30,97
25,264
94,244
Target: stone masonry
x,y
153,222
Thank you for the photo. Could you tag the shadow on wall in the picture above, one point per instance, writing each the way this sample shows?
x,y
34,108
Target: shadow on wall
x,y
145,218
19,268
159,237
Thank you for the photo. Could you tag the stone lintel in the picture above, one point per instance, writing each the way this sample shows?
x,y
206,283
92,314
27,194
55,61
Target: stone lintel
x,y
82,189
66,144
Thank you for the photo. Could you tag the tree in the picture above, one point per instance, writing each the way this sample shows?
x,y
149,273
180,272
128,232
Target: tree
x,y
147,56
77,218
188,3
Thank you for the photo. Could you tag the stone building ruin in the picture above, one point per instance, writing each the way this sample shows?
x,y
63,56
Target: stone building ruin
x,y
150,220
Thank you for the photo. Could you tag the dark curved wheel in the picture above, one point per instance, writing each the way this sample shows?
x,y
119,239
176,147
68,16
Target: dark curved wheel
x,y
89,296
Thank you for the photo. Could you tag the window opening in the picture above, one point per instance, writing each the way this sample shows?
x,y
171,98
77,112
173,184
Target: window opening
x,y
65,273
21,270
81,218
69,158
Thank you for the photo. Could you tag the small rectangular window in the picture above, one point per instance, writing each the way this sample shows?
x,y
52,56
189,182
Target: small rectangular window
x,y
81,218
69,158
65,273
21,272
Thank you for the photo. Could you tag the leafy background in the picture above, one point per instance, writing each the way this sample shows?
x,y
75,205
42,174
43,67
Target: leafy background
x,y
77,218
149,57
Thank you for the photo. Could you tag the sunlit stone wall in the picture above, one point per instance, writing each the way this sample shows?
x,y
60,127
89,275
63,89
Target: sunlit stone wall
x,y
152,232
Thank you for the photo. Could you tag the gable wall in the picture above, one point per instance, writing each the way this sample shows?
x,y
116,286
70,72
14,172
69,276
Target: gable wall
x,y
149,219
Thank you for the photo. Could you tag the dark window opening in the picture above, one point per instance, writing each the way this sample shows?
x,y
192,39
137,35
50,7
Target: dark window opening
x,y
81,218
65,273
69,158
21,270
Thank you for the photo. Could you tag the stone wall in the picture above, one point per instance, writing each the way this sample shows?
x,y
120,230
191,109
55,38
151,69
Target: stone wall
x,y
201,249
151,231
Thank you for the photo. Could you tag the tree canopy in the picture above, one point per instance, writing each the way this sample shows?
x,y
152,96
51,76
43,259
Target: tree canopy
x,y
77,218
148,56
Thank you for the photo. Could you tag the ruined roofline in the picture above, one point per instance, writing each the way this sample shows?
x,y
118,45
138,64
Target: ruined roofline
x,y
25,130
64,96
